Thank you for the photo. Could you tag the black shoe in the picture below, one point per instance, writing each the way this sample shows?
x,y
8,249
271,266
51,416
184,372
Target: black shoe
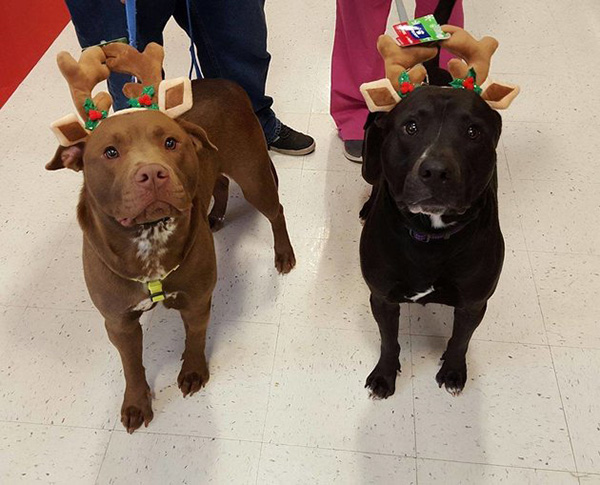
x,y
353,150
291,142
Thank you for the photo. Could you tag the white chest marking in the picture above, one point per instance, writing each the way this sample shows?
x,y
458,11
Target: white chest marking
x,y
436,221
416,297
151,247
146,303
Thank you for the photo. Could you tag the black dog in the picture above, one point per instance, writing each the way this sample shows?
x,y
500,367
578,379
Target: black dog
x,y
431,232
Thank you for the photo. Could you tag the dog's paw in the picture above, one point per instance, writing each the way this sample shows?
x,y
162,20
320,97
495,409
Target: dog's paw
x,y
452,377
136,410
285,261
215,223
381,383
191,381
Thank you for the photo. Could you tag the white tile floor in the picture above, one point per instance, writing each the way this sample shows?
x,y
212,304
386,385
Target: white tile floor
x,y
289,355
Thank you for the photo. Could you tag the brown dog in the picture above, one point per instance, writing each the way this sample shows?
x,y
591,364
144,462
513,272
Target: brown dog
x,y
143,209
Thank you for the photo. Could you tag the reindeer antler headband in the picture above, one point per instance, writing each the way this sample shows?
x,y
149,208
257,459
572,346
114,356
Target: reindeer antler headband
x,y
404,71
173,97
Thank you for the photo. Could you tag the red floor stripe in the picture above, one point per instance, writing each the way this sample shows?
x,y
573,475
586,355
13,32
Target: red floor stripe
x,y
27,28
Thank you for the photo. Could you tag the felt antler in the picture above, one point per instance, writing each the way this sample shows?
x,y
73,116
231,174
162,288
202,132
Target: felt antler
x,y
400,59
403,70
172,97
146,66
83,76
477,54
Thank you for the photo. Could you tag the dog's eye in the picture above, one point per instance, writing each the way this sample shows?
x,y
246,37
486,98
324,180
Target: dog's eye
x,y
111,152
411,128
473,132
170,143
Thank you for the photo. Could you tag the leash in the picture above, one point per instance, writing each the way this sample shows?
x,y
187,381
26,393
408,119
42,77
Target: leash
x,y
195,65
130,14
401,11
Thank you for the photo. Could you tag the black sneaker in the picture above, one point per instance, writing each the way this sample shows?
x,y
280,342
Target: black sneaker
x,y
291,142
353,150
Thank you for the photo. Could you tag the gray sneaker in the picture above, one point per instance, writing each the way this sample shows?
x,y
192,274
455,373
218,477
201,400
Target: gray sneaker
x,y
353,150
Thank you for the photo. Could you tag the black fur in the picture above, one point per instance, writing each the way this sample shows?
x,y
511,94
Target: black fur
x,y
448,167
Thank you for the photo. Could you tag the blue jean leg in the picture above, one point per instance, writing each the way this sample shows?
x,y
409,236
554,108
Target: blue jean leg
x,y
95,22
231,41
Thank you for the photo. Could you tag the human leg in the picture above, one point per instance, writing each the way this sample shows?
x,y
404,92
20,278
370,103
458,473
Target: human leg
x,y
355,60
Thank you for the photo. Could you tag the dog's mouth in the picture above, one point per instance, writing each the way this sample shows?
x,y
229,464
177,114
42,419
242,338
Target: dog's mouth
x,y
153,214
432,207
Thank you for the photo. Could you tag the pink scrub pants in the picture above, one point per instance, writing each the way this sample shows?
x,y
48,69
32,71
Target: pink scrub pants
x,y
355,59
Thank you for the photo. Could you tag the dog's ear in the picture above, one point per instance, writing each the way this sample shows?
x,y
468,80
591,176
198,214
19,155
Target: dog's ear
x,y
67,157
499,95
198,135
371,167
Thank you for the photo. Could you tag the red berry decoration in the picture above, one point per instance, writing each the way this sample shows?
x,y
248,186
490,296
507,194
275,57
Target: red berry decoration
x,y
145,100
469,83
95,115
406,88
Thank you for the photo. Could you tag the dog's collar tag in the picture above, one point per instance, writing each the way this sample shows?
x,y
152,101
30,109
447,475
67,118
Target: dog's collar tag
x,y
155,287
156,291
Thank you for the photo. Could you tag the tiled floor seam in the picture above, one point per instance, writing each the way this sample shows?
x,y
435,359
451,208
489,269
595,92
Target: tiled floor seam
x,y
104,456
572,472
262,442
56,425
564,410
412,386
341,450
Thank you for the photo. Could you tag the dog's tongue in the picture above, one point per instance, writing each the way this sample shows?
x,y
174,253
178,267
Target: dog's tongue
x,y
126,222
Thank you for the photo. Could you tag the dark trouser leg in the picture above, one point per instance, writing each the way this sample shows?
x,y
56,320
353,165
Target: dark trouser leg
x,y
101,21
382,381
231,40
453,373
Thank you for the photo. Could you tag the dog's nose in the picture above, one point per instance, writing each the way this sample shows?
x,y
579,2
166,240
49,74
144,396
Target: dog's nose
x,y
151,175
435,171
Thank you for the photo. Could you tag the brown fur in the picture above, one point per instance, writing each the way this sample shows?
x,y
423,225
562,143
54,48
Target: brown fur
x,y
113,205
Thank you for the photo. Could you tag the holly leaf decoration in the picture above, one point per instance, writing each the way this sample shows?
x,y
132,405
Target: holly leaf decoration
x,y
468,83
406,86
93,113
145,100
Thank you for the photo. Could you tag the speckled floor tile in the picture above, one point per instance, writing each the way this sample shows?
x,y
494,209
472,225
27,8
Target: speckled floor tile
x,y
568,287
577,372
58,367
177,460
327,291
318,397
509,414
293,465
33,453
547,151
556,215
328,205
432,472
234,402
